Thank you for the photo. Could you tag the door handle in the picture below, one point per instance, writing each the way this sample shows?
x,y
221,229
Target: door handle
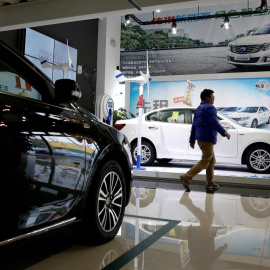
x,y
153,127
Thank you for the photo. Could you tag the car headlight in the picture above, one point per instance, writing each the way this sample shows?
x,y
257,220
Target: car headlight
x,y
244,118
266,46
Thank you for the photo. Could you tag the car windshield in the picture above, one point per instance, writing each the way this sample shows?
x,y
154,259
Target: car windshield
x,y
263,30
249,109
230,109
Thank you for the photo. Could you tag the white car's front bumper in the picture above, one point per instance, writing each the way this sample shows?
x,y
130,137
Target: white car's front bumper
x,y
261,58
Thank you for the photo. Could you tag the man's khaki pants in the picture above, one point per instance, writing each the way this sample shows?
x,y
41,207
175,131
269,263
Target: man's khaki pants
x,y
207,162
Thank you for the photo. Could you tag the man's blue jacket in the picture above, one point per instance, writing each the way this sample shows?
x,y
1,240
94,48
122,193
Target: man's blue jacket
x,y
205,124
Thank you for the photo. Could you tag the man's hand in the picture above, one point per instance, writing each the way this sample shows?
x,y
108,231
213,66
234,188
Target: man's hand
x,y
192,145
228,136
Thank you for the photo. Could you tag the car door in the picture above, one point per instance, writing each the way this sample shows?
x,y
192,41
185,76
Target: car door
x,y
169,132
37,185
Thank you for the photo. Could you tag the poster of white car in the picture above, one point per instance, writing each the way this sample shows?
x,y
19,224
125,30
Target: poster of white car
x,y
251,50
251,116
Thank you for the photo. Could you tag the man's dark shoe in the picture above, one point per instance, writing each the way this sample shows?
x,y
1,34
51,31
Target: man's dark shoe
x,y
185,183
212,186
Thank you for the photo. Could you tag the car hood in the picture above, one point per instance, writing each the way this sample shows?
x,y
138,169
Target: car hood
x,y
257,39
240,114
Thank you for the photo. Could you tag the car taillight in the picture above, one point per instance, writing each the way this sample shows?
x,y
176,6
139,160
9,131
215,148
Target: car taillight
x,y
119,126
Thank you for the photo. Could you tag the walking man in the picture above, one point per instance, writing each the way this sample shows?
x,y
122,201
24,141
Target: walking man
x,y
204,129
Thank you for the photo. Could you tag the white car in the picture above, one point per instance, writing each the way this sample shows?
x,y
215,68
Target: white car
x,y
251,116
251,50
165,136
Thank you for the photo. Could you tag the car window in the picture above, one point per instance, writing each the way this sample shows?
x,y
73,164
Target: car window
x,y
265,109
172,116
230,109
152,117
261,110
263,30
249,109
21,78
12,83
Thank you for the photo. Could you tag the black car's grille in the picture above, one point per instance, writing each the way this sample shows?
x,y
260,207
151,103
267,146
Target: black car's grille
x,y
246,49
252,60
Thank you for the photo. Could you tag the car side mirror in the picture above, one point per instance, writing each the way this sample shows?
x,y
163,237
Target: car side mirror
x,y
66,91
225,124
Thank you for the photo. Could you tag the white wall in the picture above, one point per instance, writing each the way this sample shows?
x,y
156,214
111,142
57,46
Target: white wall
x,y
109,58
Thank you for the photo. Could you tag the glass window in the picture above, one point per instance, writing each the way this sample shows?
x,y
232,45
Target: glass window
x,y
172,116
21,78
152,117
261,110
249,109
14,84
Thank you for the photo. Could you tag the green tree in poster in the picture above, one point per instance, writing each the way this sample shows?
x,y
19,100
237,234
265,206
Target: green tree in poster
x,y
139,30
130,40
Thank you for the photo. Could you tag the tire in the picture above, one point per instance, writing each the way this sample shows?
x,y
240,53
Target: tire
x,y
258,159
148,154
147,196
105,207
257,207
163,160
268,122
254,123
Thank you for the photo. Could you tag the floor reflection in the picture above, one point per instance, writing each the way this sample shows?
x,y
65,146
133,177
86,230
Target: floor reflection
x,y
166,229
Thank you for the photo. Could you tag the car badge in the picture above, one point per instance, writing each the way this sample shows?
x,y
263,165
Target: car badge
x,y
243,49
262,86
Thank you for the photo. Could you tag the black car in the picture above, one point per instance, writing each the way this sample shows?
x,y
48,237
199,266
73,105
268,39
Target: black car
x,y
59,165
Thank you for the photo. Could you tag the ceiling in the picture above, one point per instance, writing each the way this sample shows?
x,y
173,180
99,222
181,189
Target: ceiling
x,y
16,14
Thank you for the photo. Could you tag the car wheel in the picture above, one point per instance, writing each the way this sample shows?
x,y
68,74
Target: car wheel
x,y
254,123
163,160
148,154
268,122
257,207
105,207
258,159
146,196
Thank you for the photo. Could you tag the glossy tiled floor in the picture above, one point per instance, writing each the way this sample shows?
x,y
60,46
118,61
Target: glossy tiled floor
x,y
172,229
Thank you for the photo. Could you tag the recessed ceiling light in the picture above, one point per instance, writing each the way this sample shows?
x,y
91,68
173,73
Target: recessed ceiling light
x,y
158,10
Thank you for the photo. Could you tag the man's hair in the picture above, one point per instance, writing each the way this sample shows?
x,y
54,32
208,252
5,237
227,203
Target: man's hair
x,y
206,93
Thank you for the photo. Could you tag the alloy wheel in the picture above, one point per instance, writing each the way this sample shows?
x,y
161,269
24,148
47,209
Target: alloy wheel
x,y
259,203
110,201
260,160
145,153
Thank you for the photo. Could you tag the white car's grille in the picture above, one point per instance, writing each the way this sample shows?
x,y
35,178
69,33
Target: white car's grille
x,y
242,49
236,119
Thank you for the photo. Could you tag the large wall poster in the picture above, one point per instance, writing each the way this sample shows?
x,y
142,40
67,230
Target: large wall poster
x,y
236,98
199,47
